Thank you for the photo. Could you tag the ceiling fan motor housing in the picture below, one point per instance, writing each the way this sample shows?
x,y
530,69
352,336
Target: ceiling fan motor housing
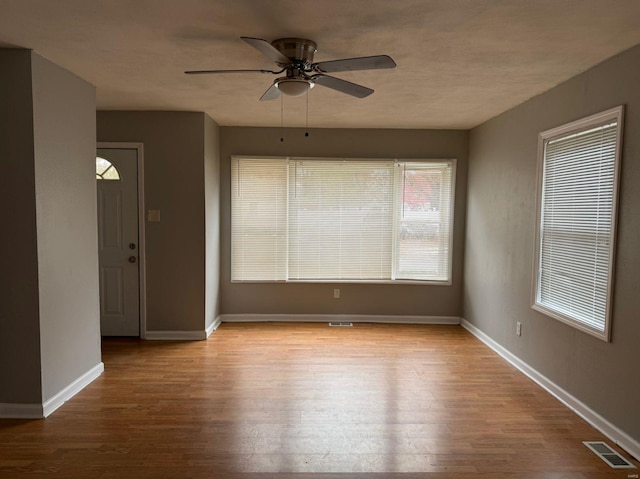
x,y
298,50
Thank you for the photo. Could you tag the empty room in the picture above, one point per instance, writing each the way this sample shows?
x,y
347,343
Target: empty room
x,y
319,239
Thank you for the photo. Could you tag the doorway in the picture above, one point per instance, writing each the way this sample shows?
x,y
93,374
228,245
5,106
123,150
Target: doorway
x,y
120,239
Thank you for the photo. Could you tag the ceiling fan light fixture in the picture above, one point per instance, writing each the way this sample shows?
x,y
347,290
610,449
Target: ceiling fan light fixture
x,y
294,86
295,57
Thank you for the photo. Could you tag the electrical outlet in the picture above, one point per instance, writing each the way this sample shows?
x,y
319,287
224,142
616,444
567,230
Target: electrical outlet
x,y
518,328
336,293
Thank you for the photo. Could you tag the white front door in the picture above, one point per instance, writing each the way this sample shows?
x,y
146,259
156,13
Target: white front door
x,y
117,178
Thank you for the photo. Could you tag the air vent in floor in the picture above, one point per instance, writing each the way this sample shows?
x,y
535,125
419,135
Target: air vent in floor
x,y
337,323
608,455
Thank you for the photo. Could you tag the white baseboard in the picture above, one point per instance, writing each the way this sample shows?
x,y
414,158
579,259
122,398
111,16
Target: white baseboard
x,y
176,335
324,318
614,433
215,324
298,318
184,335
40,411
50,405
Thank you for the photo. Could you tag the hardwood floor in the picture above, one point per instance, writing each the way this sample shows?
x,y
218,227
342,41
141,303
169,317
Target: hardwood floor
x,y
286,400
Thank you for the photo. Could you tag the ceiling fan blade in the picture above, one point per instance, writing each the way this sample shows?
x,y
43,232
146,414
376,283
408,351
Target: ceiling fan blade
x,y
271,94
377,62
210,72
343,86
267,50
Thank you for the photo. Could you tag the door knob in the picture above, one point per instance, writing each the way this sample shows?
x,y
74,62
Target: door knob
x,y
132,259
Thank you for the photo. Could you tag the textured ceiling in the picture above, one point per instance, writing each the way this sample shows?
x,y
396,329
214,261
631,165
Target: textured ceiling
x,y
460,62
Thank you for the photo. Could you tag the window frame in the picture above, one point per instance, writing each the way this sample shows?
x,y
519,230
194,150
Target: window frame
x,y
615,114
101,176
397,220
448,282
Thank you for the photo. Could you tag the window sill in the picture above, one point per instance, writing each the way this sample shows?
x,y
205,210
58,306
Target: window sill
x,y
602,335
354,281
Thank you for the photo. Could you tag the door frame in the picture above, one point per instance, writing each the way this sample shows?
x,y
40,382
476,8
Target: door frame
x,y
142,262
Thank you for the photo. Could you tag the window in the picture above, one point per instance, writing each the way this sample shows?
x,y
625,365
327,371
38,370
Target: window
x,y
577,200
105,170
307,219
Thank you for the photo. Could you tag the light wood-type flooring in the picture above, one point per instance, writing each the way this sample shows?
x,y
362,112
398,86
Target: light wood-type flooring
x,y
310,401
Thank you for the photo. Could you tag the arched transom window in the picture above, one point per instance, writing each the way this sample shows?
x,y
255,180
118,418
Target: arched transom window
x,y
105,170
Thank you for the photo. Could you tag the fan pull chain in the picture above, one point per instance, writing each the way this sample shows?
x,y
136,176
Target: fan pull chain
x,y
281,118
306,124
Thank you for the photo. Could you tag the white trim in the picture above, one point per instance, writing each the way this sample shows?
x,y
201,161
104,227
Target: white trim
x,y
344,281
20,411
40,411
613,114
452,217
176,335
184,335
142,261
393,162
325,318
50,405
614,433
215,324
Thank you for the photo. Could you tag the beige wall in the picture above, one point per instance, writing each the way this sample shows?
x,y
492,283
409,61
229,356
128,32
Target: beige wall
x,y
212,219
49,318
174,183
65,140
307,298
19,321
500,235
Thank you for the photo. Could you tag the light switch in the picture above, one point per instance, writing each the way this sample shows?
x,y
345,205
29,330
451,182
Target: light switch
x,y
153,216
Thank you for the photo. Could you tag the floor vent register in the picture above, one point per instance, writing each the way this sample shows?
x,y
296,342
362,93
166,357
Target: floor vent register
x,y
608,455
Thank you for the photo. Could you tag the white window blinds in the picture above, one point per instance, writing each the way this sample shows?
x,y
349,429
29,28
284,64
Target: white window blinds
x,y
424,220
259,219
577,220
296,219
340,220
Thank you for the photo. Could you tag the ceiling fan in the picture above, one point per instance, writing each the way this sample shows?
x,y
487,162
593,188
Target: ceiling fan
x,y
295,58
